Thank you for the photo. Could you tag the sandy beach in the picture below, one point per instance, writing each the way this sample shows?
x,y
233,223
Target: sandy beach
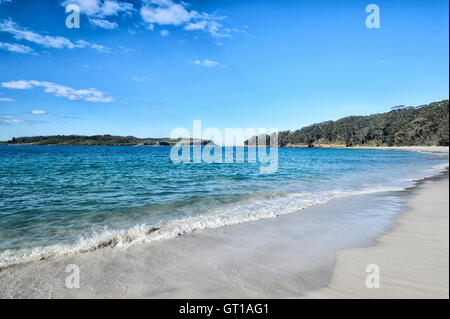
x,y
433,149
287,257
413,258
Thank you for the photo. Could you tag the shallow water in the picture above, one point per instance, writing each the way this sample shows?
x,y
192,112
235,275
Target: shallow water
x,y
62,199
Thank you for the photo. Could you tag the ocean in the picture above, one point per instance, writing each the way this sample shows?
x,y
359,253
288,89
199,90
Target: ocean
x,y
59,200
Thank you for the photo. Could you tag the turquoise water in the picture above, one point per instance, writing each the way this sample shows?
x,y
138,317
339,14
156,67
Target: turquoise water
x,y
68,199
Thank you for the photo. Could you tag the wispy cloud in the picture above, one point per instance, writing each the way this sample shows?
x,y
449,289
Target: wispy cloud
x,y
91,95
74,117
164,33
92,66
20,85
168,12
206,62
46,41
126,50
38,112
9,119
99,10
6,99
155,107
200,25
14,47
104,24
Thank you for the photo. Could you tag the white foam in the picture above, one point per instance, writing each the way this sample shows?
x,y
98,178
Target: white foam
x,y
437,168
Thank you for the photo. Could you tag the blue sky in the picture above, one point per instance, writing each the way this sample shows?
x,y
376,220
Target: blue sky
x,y
145,67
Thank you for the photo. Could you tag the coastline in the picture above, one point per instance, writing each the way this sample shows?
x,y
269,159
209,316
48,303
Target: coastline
x,y
422,148
432,149
287,257
413,257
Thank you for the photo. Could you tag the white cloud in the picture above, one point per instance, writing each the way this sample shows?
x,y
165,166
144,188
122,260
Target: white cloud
x,y
138,79
91,95
200,25
206,62
14,47
101,8
98,10
153,12
104,24
99,48
168,12
46,41
10,121
6,99
20,85
164,33
38,112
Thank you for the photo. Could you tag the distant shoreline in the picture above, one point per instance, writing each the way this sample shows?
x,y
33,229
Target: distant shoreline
x,y
102,140
418,148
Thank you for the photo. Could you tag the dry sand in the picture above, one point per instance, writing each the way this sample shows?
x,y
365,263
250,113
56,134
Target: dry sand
x,y
413,258
432,149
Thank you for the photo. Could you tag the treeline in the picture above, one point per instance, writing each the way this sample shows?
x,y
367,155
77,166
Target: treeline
x,y
402,126
97,140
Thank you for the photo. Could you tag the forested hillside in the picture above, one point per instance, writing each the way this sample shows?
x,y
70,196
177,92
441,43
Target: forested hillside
x,y
402,126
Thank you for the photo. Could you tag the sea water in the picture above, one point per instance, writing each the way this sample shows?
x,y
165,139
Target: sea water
x,y
57,200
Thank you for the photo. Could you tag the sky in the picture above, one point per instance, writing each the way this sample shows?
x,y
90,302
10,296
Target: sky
x,y
146,67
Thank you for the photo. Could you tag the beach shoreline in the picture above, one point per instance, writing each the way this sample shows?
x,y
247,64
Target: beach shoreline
x,y
421,148
412,258
291,256
430,149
